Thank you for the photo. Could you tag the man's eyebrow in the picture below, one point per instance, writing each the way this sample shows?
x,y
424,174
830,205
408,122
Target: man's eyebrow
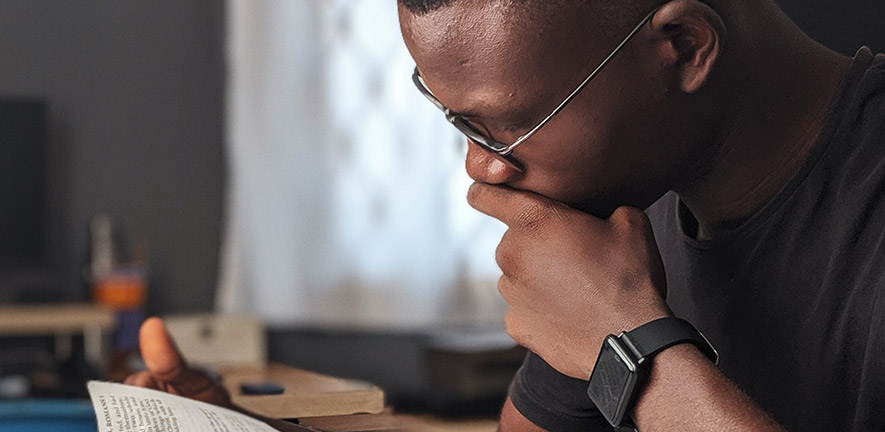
x,y
512,120
509,121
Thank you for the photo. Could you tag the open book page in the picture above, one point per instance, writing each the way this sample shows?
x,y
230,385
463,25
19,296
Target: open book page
x,y
122,408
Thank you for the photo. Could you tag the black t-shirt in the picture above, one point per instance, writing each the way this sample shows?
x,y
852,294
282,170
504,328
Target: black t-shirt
x,y
793,298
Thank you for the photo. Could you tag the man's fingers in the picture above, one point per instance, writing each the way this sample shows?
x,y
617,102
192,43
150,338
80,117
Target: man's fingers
x,y
514,207
160,353
168,368
142,379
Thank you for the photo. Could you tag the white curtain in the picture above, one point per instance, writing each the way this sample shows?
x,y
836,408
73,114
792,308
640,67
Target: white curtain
x,y
346,202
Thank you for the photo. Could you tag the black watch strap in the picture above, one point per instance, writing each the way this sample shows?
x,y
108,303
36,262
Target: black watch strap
x,y
623,364
653,337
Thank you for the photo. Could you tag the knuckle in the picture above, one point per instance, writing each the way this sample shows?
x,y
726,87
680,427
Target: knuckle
x,y
507,254
502,287
507,290
170,375
132,379
141,379
628,215
504,257
622,214
630,219
474,194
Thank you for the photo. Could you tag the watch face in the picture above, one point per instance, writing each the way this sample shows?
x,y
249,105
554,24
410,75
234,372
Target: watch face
x,y
613,380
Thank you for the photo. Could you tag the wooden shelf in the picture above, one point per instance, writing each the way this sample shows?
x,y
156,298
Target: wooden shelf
x,y
54,319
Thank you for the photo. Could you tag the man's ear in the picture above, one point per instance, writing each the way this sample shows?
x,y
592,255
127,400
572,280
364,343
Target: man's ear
x,y
695,35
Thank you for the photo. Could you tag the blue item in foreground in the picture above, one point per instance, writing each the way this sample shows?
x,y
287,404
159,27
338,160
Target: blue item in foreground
x,y
47,415
262,388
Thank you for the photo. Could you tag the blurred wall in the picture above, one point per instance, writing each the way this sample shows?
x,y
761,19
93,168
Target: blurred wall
x,y
136,116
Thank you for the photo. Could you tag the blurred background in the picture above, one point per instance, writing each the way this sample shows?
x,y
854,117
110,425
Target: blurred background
x,y
268,159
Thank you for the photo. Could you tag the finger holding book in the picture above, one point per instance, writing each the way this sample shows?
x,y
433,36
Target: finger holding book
x,y
168,371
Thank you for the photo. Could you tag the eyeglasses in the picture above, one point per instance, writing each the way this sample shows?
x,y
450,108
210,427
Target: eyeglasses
x,y
474,132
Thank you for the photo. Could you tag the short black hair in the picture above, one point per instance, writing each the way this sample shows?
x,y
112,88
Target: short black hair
x,y
616,10
424,6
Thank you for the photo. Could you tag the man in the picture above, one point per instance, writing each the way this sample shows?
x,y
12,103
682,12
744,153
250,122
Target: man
x,y
769,241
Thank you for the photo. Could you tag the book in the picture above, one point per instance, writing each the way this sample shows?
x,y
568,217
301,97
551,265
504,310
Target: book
x,y
123,408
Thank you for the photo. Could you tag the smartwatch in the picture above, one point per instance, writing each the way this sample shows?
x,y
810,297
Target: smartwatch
x,y
624,363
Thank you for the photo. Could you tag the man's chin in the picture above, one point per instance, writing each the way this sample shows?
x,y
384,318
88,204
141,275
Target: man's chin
x,y
596,207
600,207
604,208
602,211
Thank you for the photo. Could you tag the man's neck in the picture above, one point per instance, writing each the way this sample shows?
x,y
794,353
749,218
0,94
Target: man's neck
x,y
783,87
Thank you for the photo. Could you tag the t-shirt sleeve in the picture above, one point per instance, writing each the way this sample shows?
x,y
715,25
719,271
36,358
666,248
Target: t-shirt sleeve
x,y
554,401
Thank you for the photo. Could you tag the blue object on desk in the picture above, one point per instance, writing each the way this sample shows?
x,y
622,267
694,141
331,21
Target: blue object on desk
x,y
47,415
262,388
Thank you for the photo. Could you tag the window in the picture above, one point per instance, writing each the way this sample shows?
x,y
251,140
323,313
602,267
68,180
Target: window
x,y
346,203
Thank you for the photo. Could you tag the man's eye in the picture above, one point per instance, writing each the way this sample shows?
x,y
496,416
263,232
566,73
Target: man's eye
x,y
502,133
477,126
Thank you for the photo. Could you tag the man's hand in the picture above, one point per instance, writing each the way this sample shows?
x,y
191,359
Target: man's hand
x,y
571,278
168,371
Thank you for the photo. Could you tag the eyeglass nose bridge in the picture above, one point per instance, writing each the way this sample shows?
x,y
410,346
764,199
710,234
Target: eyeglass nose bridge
x,y
501,150
498,149
478,136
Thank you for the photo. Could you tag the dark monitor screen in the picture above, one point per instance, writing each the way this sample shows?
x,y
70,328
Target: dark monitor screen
x,y
22,182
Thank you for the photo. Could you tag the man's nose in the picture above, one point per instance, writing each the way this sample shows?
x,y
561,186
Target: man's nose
x,y
485,167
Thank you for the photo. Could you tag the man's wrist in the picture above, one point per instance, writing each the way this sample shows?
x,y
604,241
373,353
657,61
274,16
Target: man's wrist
x,y
633,323
674,369
624,364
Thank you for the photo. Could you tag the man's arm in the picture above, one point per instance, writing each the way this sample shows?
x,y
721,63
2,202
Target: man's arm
x,y
513,421
686,393
571,279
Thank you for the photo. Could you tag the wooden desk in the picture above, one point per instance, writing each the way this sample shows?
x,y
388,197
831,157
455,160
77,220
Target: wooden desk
x,y
392,422
331,404
63,321
305,394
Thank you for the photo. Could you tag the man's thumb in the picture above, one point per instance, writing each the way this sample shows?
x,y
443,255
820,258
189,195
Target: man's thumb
x,y
159,351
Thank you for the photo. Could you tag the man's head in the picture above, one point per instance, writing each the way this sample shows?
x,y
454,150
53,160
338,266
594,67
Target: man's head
x,y
632,133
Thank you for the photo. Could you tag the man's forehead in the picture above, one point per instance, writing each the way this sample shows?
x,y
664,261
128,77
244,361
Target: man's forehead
x,y
462,33
497,50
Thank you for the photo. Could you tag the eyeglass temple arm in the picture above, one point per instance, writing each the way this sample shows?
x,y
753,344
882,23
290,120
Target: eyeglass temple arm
x,y
586,80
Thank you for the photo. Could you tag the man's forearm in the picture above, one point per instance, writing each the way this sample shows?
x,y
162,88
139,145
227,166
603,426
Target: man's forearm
x,y
688,393
513,421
